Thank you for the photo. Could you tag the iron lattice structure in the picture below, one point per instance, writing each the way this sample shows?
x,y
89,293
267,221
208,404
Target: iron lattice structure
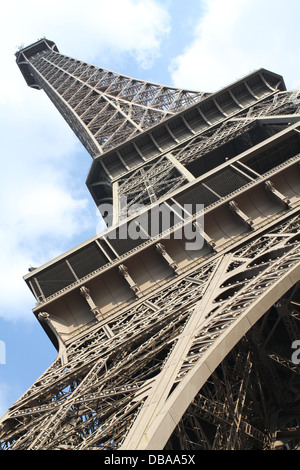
x,y
160,345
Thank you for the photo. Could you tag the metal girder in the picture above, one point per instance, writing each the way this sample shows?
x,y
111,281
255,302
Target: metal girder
x,y
134,185
200,358
110,107
98,398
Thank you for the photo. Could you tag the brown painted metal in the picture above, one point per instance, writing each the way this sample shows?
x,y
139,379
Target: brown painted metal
x,y
162,345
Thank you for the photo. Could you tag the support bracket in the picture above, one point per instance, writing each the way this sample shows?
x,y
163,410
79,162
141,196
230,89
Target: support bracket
x,y
162,251
241,215
123,270
85,292
279,196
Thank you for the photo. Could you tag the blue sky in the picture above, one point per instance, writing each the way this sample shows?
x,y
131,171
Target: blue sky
x,y
46,208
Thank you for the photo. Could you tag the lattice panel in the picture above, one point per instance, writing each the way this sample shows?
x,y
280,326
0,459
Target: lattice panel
x,y
112,107
157,173
95,396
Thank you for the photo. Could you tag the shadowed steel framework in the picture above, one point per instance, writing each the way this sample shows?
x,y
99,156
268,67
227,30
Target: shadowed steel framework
x,y
164,345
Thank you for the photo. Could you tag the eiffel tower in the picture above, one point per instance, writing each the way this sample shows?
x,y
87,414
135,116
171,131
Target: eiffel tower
x,y
165,341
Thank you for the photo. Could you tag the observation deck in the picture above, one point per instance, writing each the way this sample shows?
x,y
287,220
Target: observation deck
x,y
23,56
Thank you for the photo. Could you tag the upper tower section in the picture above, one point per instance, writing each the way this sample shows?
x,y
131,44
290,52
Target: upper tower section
x,y
103,108
149,140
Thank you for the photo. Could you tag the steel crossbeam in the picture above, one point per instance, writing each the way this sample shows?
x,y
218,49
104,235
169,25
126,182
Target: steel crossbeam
x,y
167,349
129,396
66,76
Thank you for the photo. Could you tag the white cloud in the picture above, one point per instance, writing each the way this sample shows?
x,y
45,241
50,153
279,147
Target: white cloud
x,y
87,29
41,212
44,203
235,37
122,27
46,208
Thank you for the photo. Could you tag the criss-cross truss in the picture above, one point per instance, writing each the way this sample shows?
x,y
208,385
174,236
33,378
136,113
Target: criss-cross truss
x,y
103,395
102,107
160,176
162,343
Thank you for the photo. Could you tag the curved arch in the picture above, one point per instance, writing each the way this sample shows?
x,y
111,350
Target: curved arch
x,y
156,434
